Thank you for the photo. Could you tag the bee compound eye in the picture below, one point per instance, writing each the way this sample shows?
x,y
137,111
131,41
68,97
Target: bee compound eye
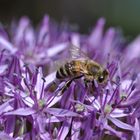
x,y
100,79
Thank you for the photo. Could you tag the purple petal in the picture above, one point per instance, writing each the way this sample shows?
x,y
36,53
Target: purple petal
x,y
96,35
2,87
117,113
30,38
121,124
40,121
133,49
10,125
45,136
52,51
3,33
2,69
27,99
50,78
21,112
43,35
108,41
75,130
126,84
14,72
96,104
119,134
7,45
5,107
19,35
137,133
39,83
53,100
4,136
54,119
65,128
62,112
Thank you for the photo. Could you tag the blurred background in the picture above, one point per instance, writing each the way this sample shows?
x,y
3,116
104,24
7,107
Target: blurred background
x,y
124,14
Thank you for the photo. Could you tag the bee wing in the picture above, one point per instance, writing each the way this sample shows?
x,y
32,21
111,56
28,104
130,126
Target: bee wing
x,y
77,53
55,65
59,63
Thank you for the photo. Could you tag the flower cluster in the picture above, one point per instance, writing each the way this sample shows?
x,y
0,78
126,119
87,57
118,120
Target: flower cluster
x,y
32,104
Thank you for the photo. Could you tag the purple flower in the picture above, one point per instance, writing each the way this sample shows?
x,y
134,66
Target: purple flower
x,y
32,105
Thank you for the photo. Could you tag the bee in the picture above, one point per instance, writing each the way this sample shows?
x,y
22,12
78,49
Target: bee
x,y
81,66
88,69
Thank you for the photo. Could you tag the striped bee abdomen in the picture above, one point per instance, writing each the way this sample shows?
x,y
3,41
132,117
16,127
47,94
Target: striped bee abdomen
x,y
65,71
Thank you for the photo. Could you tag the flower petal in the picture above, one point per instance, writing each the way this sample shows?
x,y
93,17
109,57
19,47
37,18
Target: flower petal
x,y
54,119
96,35
133,49
65,128
53,100
50,78
117,113
45,136
56,49
119,134
121,124
27,99
4,136
21,112
5,107
2,69
137,133
7,45
75,129
62,112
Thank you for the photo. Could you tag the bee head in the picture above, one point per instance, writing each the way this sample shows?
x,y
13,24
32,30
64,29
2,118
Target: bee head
x,y
102,77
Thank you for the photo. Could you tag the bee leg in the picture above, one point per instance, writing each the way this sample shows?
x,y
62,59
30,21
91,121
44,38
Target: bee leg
x,y
86,83
93,86
67,84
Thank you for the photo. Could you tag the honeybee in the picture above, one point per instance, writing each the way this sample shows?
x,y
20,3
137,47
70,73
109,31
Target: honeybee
x,y
81,66
88,69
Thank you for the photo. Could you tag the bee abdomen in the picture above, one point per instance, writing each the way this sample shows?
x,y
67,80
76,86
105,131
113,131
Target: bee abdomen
x,y
65,71
61,73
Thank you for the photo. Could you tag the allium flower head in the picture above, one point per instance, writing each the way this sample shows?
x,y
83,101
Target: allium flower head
x,y
36,105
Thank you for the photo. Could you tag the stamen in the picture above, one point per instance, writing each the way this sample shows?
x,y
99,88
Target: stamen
x,y
132,89
42,90
2,53
111,98
105,101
